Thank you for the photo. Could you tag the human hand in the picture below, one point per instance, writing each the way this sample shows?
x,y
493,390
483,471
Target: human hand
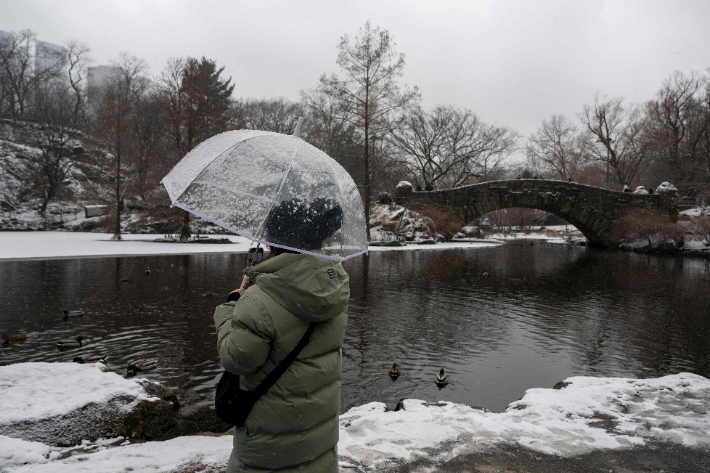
x,y
245,284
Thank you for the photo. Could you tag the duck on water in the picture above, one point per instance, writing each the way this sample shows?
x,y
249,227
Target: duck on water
x,y
90,359
70,343
394,372
145,365
441,379
13,337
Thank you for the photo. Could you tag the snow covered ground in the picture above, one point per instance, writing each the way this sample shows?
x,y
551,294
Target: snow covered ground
x,y
48,245
586,414
695,212
447,245
32,391
552,234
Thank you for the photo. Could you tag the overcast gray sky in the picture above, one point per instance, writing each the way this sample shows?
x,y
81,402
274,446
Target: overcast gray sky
x,y
513,62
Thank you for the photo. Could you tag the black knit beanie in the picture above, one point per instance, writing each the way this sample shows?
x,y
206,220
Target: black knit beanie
x,y
303,225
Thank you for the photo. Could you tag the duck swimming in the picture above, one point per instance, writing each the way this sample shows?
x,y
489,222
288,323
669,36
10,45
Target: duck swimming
x,y
145,365
72,313
90,359
394,372
75,343
441,379
13,337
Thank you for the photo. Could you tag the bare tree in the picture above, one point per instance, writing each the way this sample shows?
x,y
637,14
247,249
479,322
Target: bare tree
x,y
278,115
369,90
447,147
148,130
77,69
330,127
558,146
170,83
114,121
51,132
704,142
617,136
678,121
23,68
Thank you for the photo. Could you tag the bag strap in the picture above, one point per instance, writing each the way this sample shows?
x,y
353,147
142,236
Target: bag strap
x,y
284,364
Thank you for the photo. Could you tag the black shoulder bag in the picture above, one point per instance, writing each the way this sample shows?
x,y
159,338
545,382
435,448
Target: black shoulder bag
x,y
232,404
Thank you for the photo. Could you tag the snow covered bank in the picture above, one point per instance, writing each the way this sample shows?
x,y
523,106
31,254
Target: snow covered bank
x,y
585,415
46,245
447,245
49,245
63,404
204,454
582,415
34,391
695,212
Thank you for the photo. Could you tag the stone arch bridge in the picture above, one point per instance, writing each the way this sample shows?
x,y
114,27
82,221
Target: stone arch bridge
x,y
593,210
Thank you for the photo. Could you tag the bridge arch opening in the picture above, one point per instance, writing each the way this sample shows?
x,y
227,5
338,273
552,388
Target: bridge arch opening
x,y
524,220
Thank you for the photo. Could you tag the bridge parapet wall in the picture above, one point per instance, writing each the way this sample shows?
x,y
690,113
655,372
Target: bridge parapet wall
x,y
591,209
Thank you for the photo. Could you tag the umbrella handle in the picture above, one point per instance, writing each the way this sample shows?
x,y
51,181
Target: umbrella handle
x,y
297,133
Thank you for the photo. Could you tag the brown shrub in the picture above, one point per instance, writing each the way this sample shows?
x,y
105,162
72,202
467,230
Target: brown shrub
x,y
446,221
652,225
701,227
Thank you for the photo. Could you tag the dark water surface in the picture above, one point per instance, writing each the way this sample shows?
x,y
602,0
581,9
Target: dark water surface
x,y
544,313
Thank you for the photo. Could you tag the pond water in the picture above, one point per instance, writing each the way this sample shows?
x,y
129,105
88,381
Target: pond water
x,y
543,313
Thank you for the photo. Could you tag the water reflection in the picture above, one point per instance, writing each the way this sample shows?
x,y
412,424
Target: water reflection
x,y
543,313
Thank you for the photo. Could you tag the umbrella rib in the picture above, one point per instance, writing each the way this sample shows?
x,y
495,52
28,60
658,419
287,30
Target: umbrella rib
x,y
278,192
340,194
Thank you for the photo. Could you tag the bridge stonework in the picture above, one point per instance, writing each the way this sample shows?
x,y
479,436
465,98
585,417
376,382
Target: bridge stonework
x,y
592,210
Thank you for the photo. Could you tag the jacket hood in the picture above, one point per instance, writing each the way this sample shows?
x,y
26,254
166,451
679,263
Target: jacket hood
x,y
314,289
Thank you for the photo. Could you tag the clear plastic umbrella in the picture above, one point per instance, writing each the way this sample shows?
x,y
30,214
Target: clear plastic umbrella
x,y
273,189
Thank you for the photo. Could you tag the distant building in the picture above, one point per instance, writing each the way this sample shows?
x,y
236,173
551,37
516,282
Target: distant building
x,y
99,75
47,56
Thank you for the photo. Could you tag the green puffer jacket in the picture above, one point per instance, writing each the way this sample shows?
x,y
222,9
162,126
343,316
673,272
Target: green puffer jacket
x,y
294,426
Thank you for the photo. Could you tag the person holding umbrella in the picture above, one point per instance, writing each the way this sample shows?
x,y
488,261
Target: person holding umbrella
x,y
281,332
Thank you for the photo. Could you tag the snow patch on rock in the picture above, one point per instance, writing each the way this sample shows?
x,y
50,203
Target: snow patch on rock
x,y
62,404
33,391
666,187
393,222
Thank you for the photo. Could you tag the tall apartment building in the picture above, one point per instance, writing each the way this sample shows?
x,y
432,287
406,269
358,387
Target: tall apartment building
x,y
99,75
44,56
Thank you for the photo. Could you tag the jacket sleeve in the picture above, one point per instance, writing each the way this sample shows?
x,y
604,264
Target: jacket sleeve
x,y
243,335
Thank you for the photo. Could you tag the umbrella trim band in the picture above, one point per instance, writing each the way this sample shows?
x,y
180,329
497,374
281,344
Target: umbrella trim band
x,y
226,227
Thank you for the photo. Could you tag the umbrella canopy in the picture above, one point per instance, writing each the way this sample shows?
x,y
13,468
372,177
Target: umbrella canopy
x,y
274,189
